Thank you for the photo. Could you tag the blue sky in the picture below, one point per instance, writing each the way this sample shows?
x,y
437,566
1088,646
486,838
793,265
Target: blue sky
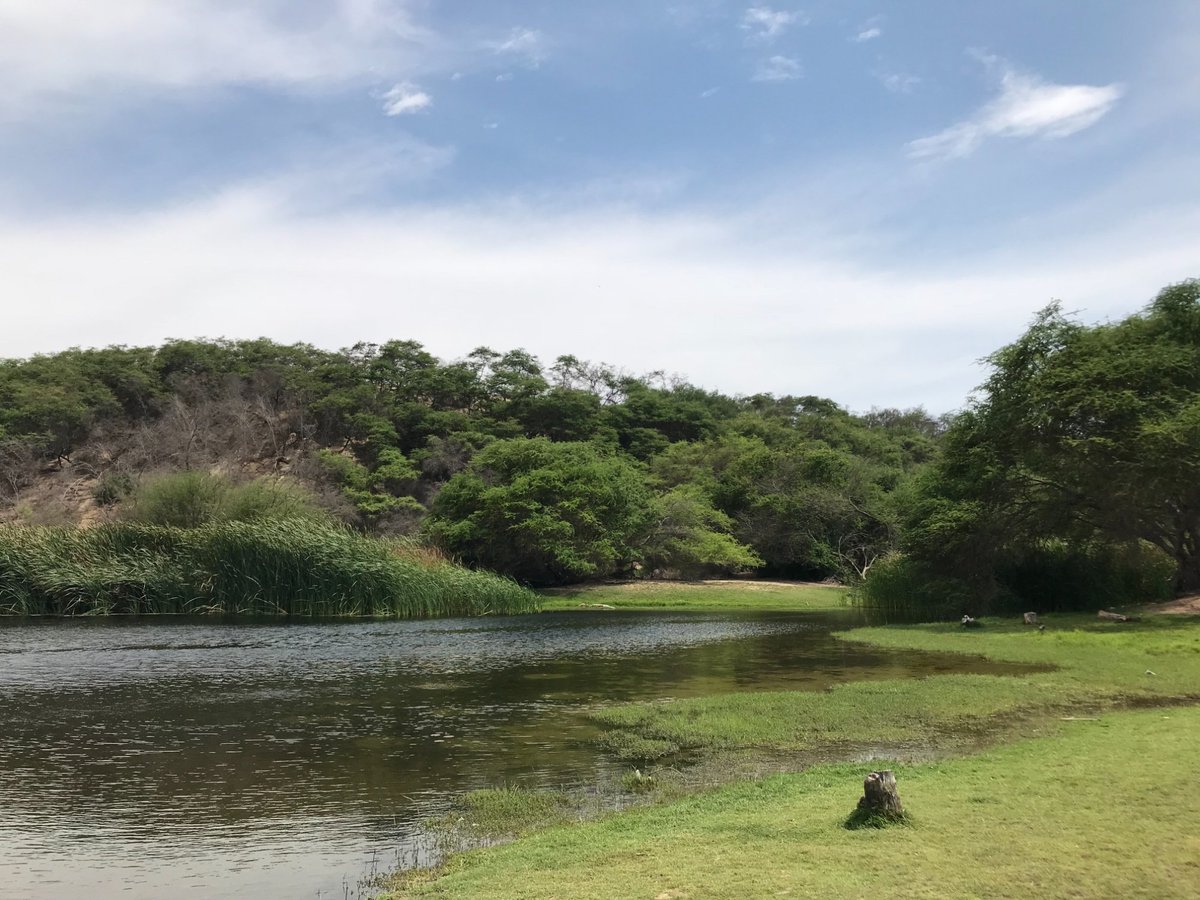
x,y
857,200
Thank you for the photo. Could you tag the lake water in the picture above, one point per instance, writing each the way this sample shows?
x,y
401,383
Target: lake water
x,y
147,759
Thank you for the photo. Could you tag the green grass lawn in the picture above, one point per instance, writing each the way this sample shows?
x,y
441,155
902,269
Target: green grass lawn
x,y
1100,809
767,596
1096,804
1096,665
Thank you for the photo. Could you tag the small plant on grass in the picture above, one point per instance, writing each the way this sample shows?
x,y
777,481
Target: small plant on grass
x,y
638,782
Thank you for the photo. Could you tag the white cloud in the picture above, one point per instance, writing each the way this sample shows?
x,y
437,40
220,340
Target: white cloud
x,y
869,30
1026,107
604,285
709,92
527,44
899,82
73,49
405,98
778,68
766,24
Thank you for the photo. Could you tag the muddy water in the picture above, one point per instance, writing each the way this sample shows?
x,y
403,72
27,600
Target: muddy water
x,y
206,760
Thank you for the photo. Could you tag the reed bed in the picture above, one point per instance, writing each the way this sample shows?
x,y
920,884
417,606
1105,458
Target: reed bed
x,y
286,567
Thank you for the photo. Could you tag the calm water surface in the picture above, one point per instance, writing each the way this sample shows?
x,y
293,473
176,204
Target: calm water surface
x,y
204,760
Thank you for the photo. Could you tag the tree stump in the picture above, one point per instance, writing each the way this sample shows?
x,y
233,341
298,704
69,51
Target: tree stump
x,y
880,804
1031,618
969,622
1113,617
880,794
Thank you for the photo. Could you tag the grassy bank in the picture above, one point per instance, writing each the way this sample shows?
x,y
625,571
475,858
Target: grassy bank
x,y
1099,809
1034,818
289,567
1096,665
767,596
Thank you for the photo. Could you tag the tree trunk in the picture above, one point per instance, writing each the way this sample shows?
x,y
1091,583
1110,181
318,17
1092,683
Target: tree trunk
x,y
1187,576
880,797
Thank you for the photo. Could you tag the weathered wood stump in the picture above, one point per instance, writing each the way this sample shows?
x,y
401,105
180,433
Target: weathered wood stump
x,y
880,804
1113,617
1030,618
969,622
880,795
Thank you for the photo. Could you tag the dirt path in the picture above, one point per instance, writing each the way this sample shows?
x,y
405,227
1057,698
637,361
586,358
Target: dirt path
x,y
1180,606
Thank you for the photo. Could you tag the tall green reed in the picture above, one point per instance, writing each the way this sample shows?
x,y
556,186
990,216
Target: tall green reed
x,y
290,567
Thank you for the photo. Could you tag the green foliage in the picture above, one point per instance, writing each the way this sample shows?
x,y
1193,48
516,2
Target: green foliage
x,y
1056,576
897,583
370,492
192,499
688,535
796,482
1085,440
291,567
112,489
807,509
496,812
543,512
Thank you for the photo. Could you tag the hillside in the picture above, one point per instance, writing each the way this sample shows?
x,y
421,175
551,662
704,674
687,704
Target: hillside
x,y
708,482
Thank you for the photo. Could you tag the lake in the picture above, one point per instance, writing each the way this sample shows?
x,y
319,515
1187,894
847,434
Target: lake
x,y
200,759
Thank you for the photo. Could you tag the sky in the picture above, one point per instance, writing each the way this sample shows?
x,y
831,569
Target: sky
x,y
859,200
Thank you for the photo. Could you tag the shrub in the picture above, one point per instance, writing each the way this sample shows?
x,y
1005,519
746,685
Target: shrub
x,y
193,499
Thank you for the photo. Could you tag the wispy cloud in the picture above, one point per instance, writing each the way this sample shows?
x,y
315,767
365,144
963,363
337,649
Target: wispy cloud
x,y
766,24
405,98
778,68
527,44
899,82
247,263
869,30
75,48
1026,107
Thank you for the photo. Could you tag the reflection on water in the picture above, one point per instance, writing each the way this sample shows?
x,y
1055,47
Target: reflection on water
x,y
201,760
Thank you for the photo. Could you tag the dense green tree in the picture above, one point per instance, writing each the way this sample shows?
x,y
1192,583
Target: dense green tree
x,y
686,534
1083,435
543,512
805,508
793,481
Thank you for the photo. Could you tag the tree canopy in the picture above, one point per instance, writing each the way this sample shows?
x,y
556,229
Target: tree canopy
x,y
1083,437
1075,469
554,473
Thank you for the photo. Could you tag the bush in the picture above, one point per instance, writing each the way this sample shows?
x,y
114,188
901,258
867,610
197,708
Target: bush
x,y
897,583
542,512
112,489
1050,577
374,494
1056,577
193,499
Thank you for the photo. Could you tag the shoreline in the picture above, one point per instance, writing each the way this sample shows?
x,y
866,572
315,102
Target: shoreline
x,y
1102,677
